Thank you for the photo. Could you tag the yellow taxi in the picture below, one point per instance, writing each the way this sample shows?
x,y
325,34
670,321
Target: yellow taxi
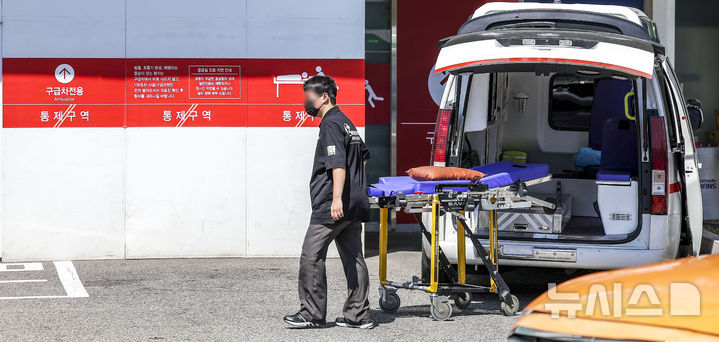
x,y
675,300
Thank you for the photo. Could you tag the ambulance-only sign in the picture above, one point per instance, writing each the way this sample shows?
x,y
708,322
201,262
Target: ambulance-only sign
x,y
91,92
52,93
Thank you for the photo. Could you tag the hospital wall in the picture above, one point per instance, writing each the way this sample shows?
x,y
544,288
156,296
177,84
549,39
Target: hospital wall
x,y
142,189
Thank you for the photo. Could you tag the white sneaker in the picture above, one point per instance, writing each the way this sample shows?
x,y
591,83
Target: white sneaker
x,y
364,324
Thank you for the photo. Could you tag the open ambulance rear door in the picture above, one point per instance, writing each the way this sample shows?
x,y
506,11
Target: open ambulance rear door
x,y
546,51
549,41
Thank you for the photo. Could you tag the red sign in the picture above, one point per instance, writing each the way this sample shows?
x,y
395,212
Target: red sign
x,y
275,96
53,93
57,92
185,92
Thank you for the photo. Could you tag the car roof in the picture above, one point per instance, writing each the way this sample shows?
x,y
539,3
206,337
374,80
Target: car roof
x,y
494,37
622,20
682,287
628,13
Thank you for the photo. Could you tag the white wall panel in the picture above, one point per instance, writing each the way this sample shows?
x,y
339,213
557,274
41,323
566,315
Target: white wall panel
x,y
192,29
305,29
185,192
278,195
49,28
62,193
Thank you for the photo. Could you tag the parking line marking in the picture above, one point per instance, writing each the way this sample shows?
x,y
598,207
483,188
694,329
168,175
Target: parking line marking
x,y
65,271
34,297
69,279
22,266
23,281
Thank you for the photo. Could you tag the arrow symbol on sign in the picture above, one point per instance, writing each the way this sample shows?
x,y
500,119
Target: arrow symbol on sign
x,y
64,72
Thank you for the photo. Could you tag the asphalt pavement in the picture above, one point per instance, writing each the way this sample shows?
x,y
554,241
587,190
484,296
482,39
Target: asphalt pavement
x,y
228,299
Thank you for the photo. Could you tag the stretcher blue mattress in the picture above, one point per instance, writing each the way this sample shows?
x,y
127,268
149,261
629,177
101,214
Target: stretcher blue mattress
x,y
497,175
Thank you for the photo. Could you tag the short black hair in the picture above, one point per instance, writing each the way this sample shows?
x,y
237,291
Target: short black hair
x,y
322,84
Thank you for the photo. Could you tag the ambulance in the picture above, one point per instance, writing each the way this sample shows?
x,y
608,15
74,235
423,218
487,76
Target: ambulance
x,y
587,90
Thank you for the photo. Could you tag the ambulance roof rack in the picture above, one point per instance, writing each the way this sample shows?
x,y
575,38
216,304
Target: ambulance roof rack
x,y
559,19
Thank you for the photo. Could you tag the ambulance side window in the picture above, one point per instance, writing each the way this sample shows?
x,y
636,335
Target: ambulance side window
x,y
667,108
457,122
492,99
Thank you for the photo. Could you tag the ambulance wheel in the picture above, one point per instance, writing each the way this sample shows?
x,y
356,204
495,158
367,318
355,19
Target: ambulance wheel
x,y
441,310
510,310
463,299
391,304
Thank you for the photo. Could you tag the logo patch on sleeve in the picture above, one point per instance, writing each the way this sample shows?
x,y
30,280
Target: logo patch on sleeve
x,y
330,150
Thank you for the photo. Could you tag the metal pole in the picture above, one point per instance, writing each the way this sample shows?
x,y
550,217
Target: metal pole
x,y
393,102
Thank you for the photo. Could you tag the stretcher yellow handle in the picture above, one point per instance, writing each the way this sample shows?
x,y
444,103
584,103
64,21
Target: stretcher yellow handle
x,y
383,246
461,255
433,283
493,246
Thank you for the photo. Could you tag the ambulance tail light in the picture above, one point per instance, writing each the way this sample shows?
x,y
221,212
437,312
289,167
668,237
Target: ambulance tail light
x,y
659,165
441,138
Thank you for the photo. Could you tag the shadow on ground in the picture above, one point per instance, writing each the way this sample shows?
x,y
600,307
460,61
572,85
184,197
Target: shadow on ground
x,y
396,242
525,282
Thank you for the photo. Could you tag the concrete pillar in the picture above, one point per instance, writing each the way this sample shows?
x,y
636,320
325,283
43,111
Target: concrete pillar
x,y
663,12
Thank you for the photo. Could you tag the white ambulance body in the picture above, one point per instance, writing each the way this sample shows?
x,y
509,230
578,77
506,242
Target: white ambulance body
x,y
587,90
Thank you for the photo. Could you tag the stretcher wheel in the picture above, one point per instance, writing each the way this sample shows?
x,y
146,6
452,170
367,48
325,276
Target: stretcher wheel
x,y
463,299
391,304
510,310
441,310
550,211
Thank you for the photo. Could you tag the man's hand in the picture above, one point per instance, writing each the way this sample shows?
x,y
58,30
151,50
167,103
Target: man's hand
x,y
338,183
336,209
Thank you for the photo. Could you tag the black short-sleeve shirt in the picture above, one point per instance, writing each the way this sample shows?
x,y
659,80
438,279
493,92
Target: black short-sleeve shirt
x,y
339,145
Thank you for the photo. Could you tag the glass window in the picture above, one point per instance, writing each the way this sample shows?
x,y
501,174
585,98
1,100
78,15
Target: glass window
x,y
675,138
570,102
378,24
492,100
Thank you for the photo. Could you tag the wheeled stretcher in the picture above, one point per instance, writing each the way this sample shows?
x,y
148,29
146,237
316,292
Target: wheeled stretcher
x,y
504,187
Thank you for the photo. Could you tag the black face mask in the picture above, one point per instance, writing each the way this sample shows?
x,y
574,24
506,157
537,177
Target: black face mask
x,y
310,109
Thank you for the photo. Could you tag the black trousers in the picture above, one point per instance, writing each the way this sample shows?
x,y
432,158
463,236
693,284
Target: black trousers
x,y
313,279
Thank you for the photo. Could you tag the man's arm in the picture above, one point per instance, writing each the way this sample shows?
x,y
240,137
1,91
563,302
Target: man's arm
x,y
333,142
338,183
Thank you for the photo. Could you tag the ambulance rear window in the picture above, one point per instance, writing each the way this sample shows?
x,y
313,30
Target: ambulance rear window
x,y
570,102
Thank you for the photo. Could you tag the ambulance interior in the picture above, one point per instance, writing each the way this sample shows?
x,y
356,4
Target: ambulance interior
x,y
582,123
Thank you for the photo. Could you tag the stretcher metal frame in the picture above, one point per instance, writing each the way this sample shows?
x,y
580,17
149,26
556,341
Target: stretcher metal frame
x,y
449,199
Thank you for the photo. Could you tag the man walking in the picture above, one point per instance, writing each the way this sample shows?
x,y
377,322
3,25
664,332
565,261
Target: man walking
x,y
338,192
